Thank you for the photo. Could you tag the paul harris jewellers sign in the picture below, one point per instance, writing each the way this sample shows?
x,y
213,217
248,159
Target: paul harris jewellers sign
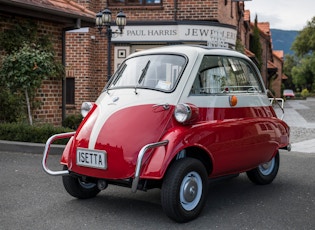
x,y
215,36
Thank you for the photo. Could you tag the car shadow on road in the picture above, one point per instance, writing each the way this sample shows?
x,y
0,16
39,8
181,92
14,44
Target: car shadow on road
x,y
120,203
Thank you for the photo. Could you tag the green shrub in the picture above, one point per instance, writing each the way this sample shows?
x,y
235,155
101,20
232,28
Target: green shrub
x,y
27,133
72,121
12,106
305,93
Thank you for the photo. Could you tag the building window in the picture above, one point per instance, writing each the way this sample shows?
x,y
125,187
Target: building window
x,y
134,2
70,90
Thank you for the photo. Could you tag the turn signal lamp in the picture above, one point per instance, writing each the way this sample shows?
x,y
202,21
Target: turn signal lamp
x,y
233,100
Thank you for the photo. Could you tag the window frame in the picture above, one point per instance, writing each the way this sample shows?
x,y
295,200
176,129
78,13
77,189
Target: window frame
x,y
227,64
113,83
135,3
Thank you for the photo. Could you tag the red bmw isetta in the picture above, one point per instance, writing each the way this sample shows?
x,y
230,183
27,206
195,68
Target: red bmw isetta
x,y
172,118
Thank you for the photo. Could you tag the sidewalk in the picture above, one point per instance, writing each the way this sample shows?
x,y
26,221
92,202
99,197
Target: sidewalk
x,y
300,116
26,147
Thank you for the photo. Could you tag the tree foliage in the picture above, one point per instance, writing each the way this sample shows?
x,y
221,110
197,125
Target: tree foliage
x,y
255,45
290,62
303,73
29,59
304,43
25,68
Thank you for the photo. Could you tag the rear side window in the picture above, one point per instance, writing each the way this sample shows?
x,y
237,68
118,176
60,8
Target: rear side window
x,y
222,75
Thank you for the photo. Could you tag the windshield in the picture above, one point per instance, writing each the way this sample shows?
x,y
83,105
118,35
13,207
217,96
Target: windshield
x,y
159,72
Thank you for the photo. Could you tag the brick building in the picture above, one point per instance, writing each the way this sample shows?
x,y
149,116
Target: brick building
x,y
150,23
53,18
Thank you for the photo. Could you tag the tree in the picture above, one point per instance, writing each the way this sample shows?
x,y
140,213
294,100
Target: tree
x,y
290,62
304,43
304,72
27,63
304,48
255,45
24,69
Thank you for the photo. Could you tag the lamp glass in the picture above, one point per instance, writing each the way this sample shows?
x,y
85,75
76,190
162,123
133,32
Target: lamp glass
x,y
121,20
98,20
106,17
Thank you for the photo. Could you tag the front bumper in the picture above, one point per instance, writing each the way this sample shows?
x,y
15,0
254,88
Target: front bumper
x,y
138,167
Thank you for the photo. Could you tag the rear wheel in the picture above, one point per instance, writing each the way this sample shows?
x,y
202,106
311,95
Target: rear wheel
x,y
78,188
265,173
184,189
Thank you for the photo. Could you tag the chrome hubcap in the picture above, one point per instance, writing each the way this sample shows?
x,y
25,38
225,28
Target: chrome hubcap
x,y
190,191
267,167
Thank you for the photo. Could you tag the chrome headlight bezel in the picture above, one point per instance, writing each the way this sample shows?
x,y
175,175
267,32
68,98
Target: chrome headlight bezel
x,y
182,113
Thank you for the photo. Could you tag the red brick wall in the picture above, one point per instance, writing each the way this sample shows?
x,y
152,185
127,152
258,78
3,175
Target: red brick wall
x,y
50,96
51,90
186,10
86,61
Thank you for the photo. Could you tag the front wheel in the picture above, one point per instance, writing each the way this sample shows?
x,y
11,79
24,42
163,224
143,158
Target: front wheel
x,y
184,189
78,188
265,173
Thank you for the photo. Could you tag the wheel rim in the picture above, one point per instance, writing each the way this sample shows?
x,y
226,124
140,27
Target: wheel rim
x,y
86,185
267,167
190,191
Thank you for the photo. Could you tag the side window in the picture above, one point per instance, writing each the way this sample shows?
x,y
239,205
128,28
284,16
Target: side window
x,y
222,75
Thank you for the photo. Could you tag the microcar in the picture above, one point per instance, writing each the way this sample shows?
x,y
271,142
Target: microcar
x,y
173,118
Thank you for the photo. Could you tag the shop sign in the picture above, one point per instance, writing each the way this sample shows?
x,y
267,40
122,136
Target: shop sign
x,y
215,36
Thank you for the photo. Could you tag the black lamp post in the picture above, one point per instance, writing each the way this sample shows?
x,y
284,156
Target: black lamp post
x,y
104,20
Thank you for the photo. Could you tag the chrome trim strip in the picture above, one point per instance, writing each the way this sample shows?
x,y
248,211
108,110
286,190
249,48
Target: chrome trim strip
x,y
46,151
144,149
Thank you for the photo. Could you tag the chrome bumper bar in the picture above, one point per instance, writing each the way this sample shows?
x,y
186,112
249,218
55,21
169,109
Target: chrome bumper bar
x,y
139,162
46,151
141,154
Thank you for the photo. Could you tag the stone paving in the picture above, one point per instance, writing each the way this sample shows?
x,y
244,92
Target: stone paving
x,y
300,116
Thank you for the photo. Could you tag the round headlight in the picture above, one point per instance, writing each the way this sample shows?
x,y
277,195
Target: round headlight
x,y
85,108
182,113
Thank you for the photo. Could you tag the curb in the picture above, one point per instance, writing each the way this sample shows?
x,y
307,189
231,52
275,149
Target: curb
x,y
26,147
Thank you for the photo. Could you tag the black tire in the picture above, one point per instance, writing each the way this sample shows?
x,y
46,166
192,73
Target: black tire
x,y
184,189
265,173
79,189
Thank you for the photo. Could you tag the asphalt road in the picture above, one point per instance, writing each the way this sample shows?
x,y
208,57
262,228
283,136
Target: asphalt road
x,y
31,199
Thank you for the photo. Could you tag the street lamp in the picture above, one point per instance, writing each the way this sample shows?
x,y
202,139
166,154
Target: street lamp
x,y
104,20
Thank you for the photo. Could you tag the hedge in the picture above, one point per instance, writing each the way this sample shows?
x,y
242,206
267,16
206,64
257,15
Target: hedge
x,y
27,133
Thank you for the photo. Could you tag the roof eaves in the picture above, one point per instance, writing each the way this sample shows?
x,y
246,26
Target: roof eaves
x,y
58,8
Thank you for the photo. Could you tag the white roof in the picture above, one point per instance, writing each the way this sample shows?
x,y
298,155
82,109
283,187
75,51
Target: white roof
x,y
191,50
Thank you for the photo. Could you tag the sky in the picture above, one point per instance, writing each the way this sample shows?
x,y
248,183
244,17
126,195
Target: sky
x,y
282,14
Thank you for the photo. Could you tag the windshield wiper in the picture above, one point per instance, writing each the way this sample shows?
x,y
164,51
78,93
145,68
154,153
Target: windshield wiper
x,y
119,74
144,71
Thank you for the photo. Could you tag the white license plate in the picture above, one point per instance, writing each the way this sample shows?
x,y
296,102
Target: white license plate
x,y
92,158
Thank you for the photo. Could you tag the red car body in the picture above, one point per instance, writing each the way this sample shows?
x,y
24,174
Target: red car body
x,y
208,107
